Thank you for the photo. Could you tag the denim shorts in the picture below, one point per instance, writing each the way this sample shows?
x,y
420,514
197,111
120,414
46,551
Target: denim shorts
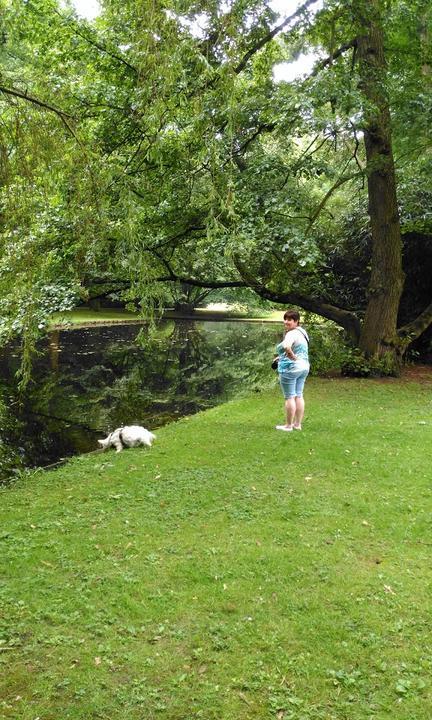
x,y
292,382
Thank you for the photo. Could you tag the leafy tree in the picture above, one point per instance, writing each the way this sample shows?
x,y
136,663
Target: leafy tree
x,y
164,155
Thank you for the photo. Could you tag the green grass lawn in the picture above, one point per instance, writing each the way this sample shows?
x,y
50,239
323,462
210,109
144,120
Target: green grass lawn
x,y
232,571
87,316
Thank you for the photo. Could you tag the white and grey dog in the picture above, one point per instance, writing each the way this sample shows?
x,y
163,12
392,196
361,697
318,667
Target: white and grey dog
x,y
127,436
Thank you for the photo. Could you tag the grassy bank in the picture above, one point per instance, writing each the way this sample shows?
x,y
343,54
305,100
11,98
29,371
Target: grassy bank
x,y
86,316
232,571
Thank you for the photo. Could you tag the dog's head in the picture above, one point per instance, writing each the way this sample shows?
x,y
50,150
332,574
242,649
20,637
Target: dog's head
x,y
105,443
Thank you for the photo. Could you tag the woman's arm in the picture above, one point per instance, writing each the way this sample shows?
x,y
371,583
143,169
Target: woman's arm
x,y
287,343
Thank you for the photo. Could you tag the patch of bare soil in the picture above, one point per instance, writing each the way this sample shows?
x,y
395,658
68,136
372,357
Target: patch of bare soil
x,y
411,373
417,373
421,374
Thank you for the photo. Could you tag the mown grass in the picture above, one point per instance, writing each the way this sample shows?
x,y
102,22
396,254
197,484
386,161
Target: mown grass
x,y
232,571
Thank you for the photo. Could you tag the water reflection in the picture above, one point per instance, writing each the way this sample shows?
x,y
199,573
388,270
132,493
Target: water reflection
x,y
88,381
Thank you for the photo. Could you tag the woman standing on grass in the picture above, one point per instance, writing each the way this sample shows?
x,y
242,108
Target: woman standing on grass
x,y
293,368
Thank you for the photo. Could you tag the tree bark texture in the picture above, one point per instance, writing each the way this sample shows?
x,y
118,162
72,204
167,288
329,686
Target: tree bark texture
x,y
387,277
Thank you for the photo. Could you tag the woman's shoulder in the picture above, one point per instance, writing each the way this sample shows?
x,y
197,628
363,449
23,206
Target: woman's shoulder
x,y
303,333
289,338
295,334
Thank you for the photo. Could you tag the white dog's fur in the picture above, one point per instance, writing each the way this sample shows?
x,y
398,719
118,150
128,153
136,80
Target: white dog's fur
x,y
128,436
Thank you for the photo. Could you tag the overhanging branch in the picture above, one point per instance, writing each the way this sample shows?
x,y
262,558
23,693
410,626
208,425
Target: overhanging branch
x,y
266,39
35,101
337,53
210,284
340,181
345,318
64,117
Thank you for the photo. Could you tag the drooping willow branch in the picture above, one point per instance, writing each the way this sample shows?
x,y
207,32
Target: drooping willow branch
x,y
72,26
64,116
29,98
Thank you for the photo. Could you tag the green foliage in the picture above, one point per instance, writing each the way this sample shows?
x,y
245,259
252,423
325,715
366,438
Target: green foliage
x,y
327,347
158,153
355,364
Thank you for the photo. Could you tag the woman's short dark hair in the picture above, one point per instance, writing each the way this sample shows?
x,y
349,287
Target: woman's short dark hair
x,y
292,315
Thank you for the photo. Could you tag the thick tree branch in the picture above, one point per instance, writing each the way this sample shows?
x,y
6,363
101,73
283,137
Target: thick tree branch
x,y
170,277
64,117
337,53
211,284
35,101
266,39
346,319
414,329
340,181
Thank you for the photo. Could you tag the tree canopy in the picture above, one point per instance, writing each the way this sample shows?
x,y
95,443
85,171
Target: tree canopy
x,y
153,148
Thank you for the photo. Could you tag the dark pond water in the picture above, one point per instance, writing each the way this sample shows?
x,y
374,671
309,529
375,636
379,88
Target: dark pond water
x,y
89,381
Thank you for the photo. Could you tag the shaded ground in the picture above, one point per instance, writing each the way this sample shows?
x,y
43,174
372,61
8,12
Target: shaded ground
x,y
417,373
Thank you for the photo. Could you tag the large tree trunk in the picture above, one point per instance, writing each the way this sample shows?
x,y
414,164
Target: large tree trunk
x,y
387,277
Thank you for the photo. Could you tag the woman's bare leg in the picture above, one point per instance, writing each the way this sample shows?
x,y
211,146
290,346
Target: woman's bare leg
x,y
290,409
299,411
